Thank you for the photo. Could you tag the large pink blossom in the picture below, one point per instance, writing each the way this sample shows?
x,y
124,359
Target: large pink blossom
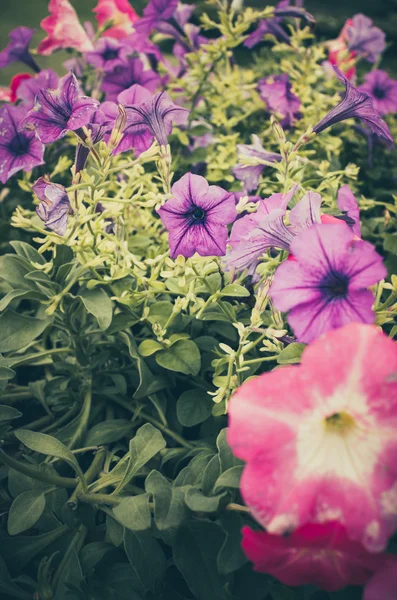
x,y
120,13
383,585
319,439
315,554
64,29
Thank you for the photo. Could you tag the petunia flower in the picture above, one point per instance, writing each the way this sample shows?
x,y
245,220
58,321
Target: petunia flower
x,y
326,286
319,438
260,158
120,13
18,49
58,111
151,117
348,205
340,55
100,126
154,13
315,554
54,207
270,26
108,54
197,216
19,149
15,84
126,76
29,89
354,104
382,90
275,90
364,39
64,29
383,584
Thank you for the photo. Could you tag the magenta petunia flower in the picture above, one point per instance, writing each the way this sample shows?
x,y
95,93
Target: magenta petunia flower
x,y
319,438
64,29
109,54
19,149
28,89
248,173
54,207
326,285
364,39
151,117
382,90
18,49
348,205
383,585
126,76
58,111
355,104
197,216
275,90
120,13
315,554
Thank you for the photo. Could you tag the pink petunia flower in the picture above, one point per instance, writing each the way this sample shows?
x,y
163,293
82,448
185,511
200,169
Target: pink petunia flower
x,y
64,29
120,13
319,439
315,554
383,585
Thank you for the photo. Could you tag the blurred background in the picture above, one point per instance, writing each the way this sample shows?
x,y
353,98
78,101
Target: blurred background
x,y
330,15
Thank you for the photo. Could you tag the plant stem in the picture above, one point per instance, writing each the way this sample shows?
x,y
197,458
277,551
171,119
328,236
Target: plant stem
x,y
90,474
36,473
38,356
76,544
84,416
99,499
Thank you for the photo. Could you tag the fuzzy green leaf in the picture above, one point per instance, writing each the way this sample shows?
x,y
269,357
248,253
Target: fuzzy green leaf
x,y
25,511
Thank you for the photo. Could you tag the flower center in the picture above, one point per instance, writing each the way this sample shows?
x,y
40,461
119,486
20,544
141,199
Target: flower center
x,y
110,54
20,144
379,93
198,214
335,285
340,422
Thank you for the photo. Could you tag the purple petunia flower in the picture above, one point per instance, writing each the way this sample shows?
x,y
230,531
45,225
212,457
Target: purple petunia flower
x,y
364,39
354,104
197,216
108,54
326,285
248,173
18,49
126,76
275,90
19,149
382,89
28,89
99,126
58,111
154,13
348,205
148,118
54,206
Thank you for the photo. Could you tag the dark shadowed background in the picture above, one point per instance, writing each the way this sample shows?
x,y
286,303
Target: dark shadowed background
x,y
330,15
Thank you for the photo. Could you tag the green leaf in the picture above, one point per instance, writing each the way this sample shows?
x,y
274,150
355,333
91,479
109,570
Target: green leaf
x,y
146,558
197,502
231,556
149,347
134,512
169,506
27,251
235,290
195,551
291,354
148,383
23,548
25,511
109,431
92,554
226,457
160,312
193,407
46,444
20,295
13,270
210,475
183,357
7,413
98,303
230,478
17,331
390,243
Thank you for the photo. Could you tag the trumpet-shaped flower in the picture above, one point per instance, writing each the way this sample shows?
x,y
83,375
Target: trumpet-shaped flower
x,y
18,49
19,149
364,39
248,173
154,13
197,216
315,554
29,88
127,75
382,89
275,90
109,54
383,584
54,207
326,286
64,29
120,13
354,104
347,203
58,111
319,439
